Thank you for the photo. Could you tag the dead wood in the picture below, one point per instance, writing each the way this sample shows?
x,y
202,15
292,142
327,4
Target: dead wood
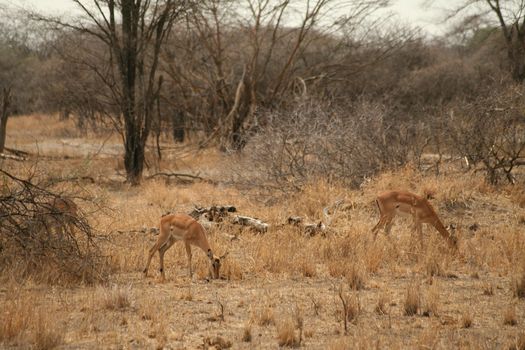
x,y
45,234
54,181
215,213
256,224
184,178
312,229
12,157
17,152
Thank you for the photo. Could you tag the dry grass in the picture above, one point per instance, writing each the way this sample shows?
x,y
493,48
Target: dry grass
x,y
467,320
46,335
488,289
355,277
263,316
287,334
16,316
519,285
412,302
247,333
280,270
432,301
518,343
115,297
23,324
509,316
381,306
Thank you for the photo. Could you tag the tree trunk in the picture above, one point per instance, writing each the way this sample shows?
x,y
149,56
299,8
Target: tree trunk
x,y
178,126
516,56
6,100
133,157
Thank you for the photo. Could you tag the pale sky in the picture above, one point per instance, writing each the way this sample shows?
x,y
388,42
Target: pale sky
x,y
409,11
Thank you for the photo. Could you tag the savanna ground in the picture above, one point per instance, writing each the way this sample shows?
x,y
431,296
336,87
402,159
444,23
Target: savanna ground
x,y
278,288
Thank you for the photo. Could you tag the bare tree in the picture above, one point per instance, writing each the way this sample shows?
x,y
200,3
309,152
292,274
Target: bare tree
x,y
510,17
255,55
132,32
491,131
4,114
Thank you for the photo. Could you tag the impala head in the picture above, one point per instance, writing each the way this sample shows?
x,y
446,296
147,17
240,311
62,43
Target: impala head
x,y
215,264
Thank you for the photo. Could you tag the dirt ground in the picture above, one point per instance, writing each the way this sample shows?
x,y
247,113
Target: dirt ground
x,y
279,288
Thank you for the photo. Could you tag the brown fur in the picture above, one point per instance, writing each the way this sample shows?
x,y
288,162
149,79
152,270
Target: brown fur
x,y
182,227
391,203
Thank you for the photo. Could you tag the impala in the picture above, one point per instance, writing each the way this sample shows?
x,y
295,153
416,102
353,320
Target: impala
x,y
59,215
182,227
391,203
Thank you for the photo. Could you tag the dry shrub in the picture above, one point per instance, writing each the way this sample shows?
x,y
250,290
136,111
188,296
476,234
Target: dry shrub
x,y
380,308
286,334
41,240
336,268
216,342
351,307
116,298
306,266
509,316
15,319
352,272
517,195
518,343
290,331
374,257
275,254
355,277
315,141
231,269
467,319
431,305
21,323
186,293
488,289
433,265
519,285
247,333
47,335
159,331
263,316
148,309
412,300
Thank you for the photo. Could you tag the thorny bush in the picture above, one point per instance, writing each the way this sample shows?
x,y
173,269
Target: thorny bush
x,y
39,239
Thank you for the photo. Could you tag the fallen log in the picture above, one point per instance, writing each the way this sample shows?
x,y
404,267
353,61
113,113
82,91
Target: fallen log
x,y
309,229
184,178
13,157
256,224
17,152
215,213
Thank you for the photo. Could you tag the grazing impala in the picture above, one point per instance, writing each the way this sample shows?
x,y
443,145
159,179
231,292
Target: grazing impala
x,y
59,215
182,227
391,203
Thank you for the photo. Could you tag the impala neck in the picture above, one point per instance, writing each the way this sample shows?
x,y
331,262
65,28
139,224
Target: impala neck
x,y
442,230
203,243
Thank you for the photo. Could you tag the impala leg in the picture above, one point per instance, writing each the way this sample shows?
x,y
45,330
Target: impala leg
x,y
163,250
150,255
152,252
385,222
188,253
388,225
380,224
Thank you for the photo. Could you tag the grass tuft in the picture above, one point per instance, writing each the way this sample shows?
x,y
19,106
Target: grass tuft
x,y
412,300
